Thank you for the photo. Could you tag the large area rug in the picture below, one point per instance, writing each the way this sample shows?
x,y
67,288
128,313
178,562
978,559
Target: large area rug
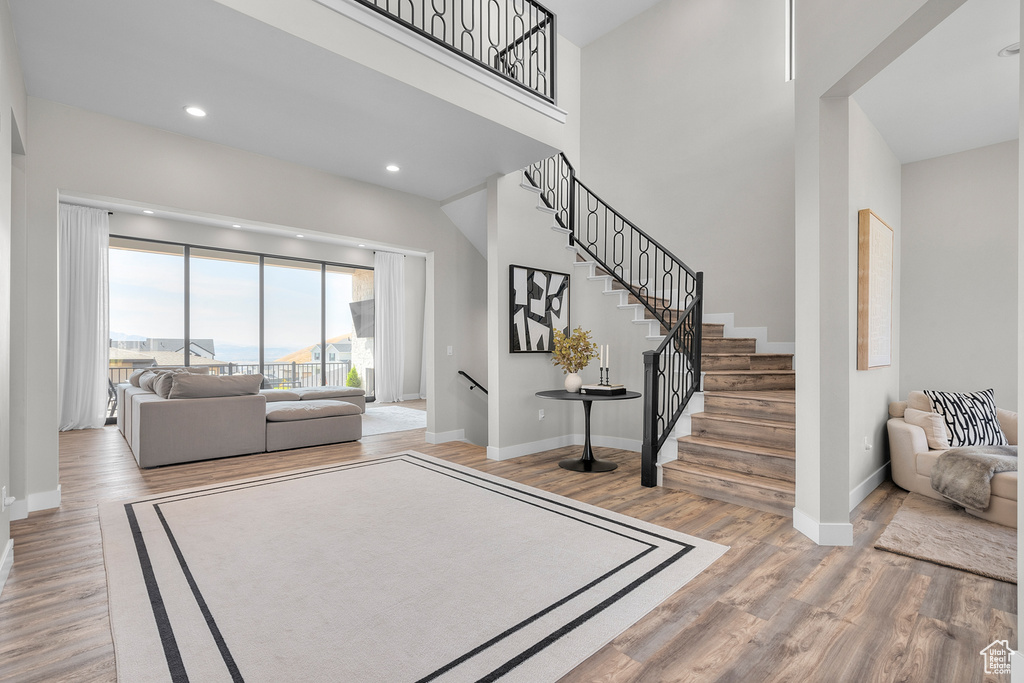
x,y
943,533
384,419
400,568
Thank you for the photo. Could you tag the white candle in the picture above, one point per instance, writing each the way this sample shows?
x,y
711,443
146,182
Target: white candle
x,y
607,357
601,348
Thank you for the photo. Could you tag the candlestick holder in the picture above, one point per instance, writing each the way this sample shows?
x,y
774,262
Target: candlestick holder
x,y
603,377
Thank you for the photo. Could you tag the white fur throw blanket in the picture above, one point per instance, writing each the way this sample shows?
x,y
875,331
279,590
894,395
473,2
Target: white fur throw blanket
x,y
964,475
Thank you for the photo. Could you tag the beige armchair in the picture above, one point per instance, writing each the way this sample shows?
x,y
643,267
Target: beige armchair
x,y
912,461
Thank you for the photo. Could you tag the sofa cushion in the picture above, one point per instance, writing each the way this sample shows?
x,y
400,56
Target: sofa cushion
x,y
897,408
288,411
1008,421
188,385
933,425
279,395
918,401
317,393
1004,484
146,379
970,418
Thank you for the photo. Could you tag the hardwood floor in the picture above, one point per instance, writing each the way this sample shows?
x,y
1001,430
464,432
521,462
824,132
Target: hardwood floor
x,y
776,607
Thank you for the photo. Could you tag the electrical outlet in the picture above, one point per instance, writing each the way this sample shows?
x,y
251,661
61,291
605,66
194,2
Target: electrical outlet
x,y
540,414
867,444
3,499
449,350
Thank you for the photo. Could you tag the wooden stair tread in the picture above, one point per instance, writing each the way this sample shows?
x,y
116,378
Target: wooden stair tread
x,y
781,395
774,485
737,477
766,451
756,421
737,354
751,372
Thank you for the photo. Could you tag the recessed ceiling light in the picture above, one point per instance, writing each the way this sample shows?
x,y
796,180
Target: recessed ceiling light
x,y
300,236
235,225
362,245
195,111
392,168
146,211
1010,50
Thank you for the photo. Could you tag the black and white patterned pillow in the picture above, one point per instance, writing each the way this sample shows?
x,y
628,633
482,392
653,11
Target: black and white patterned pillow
x,y
970,418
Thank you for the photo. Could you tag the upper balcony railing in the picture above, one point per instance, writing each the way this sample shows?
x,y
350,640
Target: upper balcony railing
x,y
514,39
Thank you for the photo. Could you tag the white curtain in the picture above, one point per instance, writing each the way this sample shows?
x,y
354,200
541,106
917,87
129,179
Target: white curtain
x,y
389,325
83,323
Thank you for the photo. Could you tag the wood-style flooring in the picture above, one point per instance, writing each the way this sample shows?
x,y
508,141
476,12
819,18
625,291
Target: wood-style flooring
x,y
776,607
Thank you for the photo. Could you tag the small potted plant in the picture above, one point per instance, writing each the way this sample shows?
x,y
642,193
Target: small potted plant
x,y
572,354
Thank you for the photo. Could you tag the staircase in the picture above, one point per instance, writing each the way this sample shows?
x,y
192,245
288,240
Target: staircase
x,y
742,448
667,295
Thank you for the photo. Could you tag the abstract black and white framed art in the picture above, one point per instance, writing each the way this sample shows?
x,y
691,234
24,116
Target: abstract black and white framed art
x,y
538,305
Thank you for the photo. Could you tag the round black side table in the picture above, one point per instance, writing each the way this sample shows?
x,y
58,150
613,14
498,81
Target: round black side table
x,y
587,463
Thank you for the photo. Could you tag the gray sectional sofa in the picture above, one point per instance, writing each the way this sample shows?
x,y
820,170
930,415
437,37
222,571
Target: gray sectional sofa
x,y
172,416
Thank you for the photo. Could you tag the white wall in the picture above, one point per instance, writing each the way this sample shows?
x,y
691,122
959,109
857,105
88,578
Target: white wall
x,y
521,235
12,117
840,46
84,154
688,131
960,276
875,185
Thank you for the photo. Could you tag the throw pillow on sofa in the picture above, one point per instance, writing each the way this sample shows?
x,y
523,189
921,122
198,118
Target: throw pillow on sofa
x,y
214,386
933,425
971,419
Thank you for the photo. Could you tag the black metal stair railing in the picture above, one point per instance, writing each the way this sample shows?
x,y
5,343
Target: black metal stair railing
x,y
514,39
656,279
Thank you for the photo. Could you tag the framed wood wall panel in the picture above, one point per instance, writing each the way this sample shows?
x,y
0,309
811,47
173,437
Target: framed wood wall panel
x,y
874,291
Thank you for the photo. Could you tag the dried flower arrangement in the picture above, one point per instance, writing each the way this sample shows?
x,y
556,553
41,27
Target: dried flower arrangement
x,y
574,352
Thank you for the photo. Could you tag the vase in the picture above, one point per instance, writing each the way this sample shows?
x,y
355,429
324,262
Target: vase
x,y
573,382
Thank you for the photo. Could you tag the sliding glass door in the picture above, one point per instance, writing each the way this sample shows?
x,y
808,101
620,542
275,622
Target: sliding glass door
x,y
292,330
224,311
300,323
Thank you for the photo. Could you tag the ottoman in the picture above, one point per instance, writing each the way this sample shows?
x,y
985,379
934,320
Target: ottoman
x,y
297,424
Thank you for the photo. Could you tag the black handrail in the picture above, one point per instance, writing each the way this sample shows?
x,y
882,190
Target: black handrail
x,y
514,39
473,381
670,290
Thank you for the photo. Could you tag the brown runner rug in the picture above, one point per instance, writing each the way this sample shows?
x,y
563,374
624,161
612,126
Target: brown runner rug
x,y
943,533
400,568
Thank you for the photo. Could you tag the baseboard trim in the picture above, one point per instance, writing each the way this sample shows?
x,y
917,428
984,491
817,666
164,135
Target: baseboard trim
x,y
445,437
411,397
822,534
44,500
6,562
864,489
19,509
521,449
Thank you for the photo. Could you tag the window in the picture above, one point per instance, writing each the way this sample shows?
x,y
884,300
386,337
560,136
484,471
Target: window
x,y
349,325
238,312
292,326
224,311
147,306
